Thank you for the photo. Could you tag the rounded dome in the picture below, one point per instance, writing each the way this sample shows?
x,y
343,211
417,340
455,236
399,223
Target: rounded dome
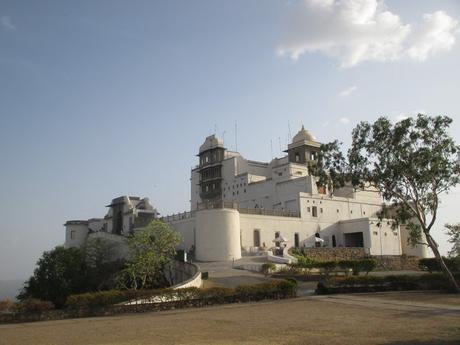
x,y
211,142
302,135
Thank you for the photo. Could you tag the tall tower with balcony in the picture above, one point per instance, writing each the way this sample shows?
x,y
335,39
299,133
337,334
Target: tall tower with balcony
x,y
211,155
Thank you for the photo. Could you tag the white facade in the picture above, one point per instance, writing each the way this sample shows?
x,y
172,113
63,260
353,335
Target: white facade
x,y
239,206
252,202
125,214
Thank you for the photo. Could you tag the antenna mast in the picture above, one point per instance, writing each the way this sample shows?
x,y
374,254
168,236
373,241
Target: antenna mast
x,y
236,136
271,148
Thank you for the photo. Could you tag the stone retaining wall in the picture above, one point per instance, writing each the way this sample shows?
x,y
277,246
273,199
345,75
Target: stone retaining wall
x,y
328,254
397,263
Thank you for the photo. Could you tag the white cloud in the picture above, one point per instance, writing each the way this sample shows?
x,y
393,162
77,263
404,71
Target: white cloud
x,y
5,23
344,120
436,34
348,91
354,31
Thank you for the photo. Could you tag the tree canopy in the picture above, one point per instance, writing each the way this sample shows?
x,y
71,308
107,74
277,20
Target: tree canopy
x,y
411,163
59,273
152,250
453,231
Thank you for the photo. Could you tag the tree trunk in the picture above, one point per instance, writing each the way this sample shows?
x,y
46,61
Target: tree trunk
x,y
434,247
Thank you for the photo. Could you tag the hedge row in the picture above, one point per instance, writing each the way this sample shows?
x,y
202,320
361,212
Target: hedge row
x,y
215,295
356,266
433,281
28,305
432,265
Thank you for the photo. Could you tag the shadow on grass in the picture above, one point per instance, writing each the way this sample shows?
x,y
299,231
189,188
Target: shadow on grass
x,y
425,342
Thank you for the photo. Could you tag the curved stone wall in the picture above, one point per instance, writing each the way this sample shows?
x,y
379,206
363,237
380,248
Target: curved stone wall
x,y
187,275
218,235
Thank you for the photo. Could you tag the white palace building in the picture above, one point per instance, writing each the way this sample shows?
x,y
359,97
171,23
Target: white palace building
x,y
240,206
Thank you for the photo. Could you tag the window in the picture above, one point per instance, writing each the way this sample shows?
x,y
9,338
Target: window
x,y
296,240
314,211
256,238
334,241
72,234
297,157
337,210
308,209
321,210
280,174
375,233
206,159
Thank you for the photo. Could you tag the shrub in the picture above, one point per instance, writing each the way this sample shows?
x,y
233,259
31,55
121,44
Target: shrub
x,y
217,294
96,299
6,305
367,265
386,283
327,266
432,265
357,266
275,289
33,305
304,262
268,267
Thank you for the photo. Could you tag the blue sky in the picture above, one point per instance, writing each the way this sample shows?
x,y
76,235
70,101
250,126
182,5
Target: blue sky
x,y
104,98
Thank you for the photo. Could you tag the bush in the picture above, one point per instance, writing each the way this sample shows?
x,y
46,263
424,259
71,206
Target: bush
x,y
33,305
217,294
268,267
327,266
275,289
357,266
304,262
95,299
432,265
386,283
6,305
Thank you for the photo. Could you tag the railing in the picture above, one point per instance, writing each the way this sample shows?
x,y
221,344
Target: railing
x,y
210,205
178,216
264,212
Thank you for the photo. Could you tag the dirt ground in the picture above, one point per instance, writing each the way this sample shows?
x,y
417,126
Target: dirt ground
x,y
389,318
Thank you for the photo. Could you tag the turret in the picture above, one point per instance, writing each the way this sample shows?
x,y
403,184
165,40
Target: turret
x,y
211,155
304,147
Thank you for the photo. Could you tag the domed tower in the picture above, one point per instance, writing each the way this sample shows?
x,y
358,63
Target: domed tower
x,y
211,155
304,147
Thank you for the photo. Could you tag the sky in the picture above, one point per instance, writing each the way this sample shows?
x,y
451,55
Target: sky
x,y
106,98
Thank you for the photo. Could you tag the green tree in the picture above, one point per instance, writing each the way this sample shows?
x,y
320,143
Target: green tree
x,y
152,250
411,163
453,231
103,263
59,273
